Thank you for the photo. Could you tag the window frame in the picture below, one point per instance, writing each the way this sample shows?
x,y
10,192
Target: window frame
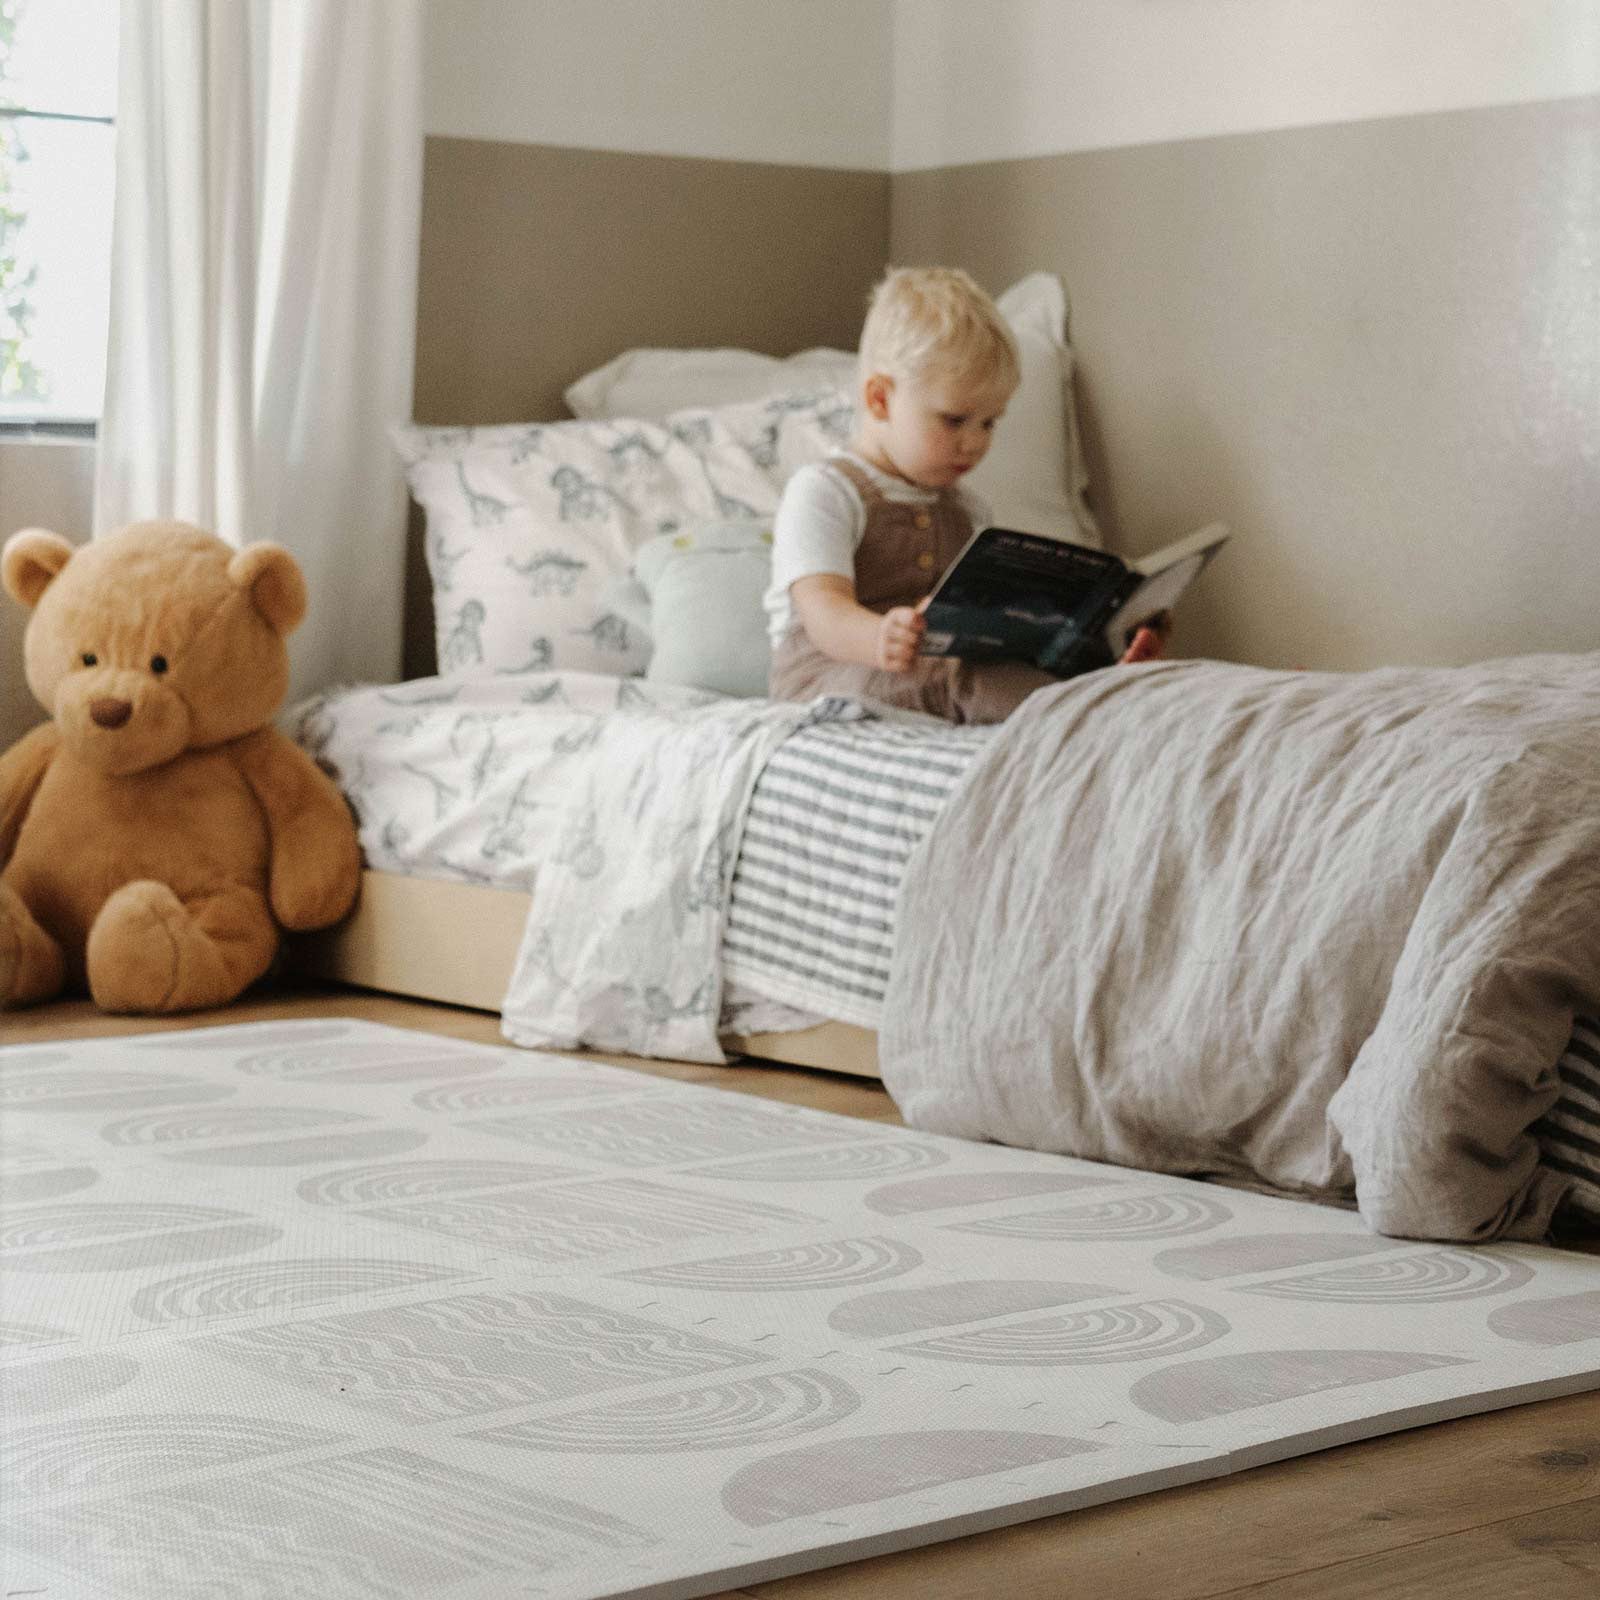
x,y
13,428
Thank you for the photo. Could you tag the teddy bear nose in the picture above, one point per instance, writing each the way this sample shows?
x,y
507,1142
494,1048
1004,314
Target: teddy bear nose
x,y
108,713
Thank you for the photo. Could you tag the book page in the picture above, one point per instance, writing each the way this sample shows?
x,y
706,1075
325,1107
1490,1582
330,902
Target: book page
x,y
1154,594
1169,571
1204,542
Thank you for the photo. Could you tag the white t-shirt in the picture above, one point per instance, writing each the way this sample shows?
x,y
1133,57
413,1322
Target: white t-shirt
x,y
819,526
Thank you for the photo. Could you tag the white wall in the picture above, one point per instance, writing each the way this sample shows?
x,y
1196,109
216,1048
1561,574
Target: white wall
x,y
1047,77
805,82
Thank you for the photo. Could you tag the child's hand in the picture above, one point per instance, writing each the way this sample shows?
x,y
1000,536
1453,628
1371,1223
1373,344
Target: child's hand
x,y
899,633
1149,643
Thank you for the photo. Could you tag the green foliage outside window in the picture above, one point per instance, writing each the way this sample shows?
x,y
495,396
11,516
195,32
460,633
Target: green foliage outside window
x,y
20,379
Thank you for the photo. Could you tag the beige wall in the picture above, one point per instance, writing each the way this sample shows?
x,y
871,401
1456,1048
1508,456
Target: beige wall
x,y
1373,348
45,484
539,263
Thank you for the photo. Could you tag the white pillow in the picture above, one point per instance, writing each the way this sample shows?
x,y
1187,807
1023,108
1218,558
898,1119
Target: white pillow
x,y
780,433
652,384
1034,475
528,525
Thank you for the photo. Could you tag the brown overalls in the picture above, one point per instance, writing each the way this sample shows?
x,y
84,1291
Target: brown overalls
x,y
903,550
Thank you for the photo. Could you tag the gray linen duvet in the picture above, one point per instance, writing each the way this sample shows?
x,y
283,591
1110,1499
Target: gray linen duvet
x,y
1325,932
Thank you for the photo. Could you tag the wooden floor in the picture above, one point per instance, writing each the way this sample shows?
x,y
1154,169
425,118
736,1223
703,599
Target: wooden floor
x,y
1504,1506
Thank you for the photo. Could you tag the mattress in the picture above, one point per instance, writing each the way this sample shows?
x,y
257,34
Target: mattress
x,y
430,768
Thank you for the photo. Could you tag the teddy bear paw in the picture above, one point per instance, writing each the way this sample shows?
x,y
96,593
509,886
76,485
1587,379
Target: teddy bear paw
x,y
149,952
10,945
135,948
31,963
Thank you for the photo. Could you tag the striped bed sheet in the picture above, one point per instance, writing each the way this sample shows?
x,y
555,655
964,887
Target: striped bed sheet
x,y
832,820
1569,1135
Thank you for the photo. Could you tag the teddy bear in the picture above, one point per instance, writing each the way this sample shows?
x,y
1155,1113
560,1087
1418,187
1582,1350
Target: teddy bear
x,y
158,832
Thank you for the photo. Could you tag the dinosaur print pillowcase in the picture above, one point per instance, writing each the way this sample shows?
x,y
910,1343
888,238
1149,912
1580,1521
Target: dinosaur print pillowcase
x,y
530,524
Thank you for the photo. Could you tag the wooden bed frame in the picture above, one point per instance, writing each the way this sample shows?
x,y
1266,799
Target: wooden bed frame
x,y
435,939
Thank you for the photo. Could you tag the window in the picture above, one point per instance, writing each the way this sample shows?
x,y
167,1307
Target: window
x,y
58,83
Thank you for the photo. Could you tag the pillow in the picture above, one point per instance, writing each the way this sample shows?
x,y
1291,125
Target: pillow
x,y
781,433
1033,476
705,585
527,524
652,384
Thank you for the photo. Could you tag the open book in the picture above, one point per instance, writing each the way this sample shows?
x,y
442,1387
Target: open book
x,y
1063,607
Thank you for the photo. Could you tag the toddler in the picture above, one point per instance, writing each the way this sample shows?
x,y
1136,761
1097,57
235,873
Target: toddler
x,y
861,538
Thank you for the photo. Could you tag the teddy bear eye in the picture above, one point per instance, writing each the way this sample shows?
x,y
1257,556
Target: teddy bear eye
x,y
158,664
90,659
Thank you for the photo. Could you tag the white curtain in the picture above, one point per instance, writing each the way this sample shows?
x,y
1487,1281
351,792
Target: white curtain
x,y
263,316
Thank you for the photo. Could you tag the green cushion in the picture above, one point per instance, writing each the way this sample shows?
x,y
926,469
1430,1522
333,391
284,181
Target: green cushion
x,y
706,584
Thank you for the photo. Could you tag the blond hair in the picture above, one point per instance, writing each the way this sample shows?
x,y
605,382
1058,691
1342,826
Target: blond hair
x,y
936,322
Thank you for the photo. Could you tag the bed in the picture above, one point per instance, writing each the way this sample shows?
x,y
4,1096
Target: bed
x,y
663,446
610,837
833,817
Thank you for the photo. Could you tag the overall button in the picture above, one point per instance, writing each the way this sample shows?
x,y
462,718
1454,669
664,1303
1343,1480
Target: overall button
x,y
925,561
923,520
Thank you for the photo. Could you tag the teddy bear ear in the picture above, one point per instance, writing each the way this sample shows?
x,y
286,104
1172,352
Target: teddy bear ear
x,y
275,584
30,560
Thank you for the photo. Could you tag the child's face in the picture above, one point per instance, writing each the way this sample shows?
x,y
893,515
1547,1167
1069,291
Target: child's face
x,y
931,430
